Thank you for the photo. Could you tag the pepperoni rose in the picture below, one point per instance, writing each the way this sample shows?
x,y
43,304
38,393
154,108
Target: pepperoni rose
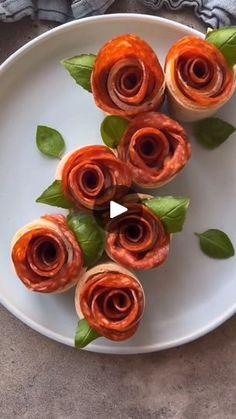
x,y
92,176
155,148
198,78
127,77
111,299
46,256
137,239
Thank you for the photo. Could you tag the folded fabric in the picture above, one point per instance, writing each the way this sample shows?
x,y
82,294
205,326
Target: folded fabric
x,y
56,10
213,12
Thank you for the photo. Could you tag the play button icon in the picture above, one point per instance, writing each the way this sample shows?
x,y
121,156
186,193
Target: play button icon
x,y
116,209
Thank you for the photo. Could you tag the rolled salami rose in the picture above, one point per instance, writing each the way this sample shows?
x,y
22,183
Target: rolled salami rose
x,y
127,77
111,299
46,256
155,148
198,78
137,239
92,176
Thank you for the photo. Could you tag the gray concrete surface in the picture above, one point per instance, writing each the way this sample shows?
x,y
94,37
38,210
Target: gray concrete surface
x,y
41,379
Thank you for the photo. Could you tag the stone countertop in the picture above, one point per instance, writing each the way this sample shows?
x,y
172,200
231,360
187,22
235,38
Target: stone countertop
x,y
43,379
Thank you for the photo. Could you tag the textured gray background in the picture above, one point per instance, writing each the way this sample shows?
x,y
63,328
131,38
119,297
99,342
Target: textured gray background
x,y
42,379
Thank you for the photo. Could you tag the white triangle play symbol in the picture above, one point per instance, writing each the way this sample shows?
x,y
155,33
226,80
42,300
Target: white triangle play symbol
x,y
116,209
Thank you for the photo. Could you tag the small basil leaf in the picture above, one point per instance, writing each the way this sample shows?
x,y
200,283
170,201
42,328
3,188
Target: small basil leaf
x,y
225,40
49,141
80,68
171,210
212,132
216,244
54,196
112,130
99,220
84,334
89,235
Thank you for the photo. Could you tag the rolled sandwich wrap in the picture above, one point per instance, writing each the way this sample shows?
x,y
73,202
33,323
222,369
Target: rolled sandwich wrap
x,y
46,255
127,77
92,176
111,299
155,148
137,239
198,79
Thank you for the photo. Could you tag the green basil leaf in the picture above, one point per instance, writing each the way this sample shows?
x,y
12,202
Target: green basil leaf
x,y
49,141
84,334
225,40
171,210
89,235
212,132
112,130
54,196
80,68
216,244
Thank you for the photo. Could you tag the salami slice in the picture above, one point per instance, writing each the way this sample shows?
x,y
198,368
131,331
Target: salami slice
x,y
198,78
127,78
46,256
155,148
137,239
111,299
92,176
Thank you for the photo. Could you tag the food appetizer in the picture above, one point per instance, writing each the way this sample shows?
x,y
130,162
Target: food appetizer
x,y
198,78
46,255
155,148
111,299
92,176
137,238
51,254
127,77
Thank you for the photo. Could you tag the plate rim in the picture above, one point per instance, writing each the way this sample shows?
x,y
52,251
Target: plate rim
x,y
216,322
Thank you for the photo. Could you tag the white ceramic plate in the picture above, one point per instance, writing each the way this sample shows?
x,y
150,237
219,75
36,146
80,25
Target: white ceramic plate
x,y
191,294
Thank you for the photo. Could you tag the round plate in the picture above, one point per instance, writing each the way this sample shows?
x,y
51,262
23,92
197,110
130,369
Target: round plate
x,y
191,294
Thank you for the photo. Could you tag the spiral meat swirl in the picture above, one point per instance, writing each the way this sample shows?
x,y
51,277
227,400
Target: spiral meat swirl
x,y
199,80
127,78
137,239
92,176
111,299
46,256
155,148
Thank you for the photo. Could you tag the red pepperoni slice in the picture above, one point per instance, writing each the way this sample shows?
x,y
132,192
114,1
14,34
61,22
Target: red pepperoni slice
x,y
198,78
127,78
48,258
155,148
112,302
136,239
93,175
